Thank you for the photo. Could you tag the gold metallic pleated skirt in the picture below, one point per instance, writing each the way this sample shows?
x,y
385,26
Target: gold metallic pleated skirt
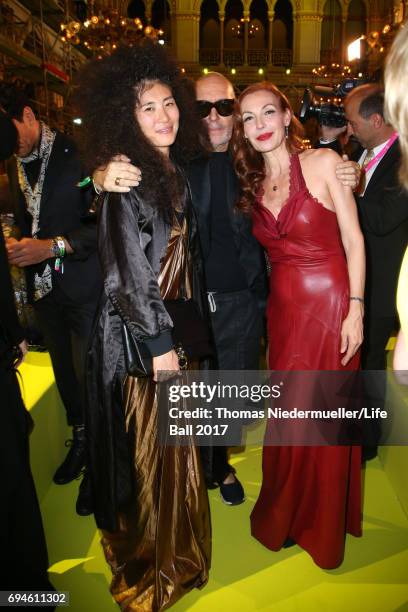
x,y
162,547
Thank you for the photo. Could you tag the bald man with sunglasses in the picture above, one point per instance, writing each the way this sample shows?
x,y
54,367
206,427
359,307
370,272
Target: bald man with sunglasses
x,y
234,263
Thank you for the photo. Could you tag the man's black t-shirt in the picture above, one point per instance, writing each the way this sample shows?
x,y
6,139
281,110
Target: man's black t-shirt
x,y
223,270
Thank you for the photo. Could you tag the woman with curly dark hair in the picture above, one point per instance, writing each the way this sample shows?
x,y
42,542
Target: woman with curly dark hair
x,y
149,500
307,222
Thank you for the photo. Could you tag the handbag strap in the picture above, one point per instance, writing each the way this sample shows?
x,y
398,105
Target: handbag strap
x,y
187,197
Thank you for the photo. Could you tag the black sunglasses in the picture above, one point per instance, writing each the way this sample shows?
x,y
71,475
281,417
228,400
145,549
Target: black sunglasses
x,y
224,108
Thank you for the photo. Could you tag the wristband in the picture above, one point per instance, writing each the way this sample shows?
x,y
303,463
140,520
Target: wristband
x,y
84,182
358,299
58,251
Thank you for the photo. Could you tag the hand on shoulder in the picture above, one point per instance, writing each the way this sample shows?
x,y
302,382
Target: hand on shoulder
x,y
326,156
119,175
347,172
334,170
322,160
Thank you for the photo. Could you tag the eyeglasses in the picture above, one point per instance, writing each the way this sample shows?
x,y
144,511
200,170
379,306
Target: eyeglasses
x,y
224,107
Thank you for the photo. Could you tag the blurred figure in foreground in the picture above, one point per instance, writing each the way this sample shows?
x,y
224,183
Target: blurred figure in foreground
x,y
396,109
24,559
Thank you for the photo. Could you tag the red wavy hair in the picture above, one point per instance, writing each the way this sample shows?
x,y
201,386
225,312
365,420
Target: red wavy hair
x,y
249,164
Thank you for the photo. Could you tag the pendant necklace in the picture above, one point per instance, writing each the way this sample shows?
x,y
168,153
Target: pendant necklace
x,y
275,186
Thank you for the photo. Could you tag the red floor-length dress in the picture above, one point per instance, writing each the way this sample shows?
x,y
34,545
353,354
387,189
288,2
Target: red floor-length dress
x,y
311,494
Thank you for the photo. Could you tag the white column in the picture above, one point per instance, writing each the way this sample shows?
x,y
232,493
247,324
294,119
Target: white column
x,y
271,15
307,37
246,23
222,25
186,43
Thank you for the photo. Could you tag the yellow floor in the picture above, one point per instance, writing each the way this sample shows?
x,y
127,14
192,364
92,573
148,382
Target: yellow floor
x,y
244,576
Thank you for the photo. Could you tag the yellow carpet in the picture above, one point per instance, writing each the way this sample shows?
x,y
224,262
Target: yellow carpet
x,y
244,575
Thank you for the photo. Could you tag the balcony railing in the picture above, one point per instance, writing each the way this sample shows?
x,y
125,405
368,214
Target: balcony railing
x,y
257,57
233,57
236,57
210,57
281,57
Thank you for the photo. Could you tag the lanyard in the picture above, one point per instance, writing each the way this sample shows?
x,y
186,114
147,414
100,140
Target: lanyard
x,y
381,153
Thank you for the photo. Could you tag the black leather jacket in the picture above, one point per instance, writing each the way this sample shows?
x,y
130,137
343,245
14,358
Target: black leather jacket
x,y
132,239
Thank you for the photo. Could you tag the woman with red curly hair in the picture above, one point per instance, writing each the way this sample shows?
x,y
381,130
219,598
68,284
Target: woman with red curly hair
x,y
307,222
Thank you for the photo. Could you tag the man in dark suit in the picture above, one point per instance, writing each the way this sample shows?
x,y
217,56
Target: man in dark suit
x,y
58,252
383,211
24,561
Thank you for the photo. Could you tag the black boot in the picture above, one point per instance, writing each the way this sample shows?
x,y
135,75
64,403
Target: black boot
x,y
73,463
84,505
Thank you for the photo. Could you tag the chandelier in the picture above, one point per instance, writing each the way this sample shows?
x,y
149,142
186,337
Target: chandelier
x,y
332,72
104,31
237,30
380,42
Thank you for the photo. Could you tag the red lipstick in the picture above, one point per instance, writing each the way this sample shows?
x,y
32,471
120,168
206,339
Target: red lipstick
x,y
265,136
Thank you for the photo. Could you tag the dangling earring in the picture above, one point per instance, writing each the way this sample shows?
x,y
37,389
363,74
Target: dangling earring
x,y
286,131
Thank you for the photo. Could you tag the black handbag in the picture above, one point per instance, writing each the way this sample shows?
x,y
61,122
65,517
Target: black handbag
x,y
138,360
191,339
190,332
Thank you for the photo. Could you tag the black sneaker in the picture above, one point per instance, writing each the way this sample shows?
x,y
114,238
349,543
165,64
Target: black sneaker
x,y
233,493
74,462
84,506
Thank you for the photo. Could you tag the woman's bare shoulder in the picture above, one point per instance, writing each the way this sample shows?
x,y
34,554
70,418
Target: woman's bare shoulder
x,y
326,158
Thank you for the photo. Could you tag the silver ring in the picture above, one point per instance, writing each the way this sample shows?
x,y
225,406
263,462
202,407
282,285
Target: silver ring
x,y
117,181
